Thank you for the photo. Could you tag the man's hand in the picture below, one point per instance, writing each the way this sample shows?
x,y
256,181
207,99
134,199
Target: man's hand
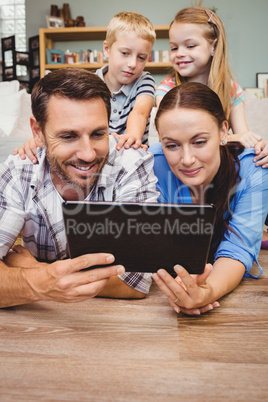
x,y
20,257
127,140
62,281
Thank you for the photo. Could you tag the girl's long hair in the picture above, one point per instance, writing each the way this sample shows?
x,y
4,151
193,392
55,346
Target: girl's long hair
x,y
193,95
220,76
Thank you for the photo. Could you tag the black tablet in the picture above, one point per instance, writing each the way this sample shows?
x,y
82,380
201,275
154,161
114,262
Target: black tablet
x,y
142,237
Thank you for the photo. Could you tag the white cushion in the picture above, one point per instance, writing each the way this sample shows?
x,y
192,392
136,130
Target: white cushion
x,y
9,111
9,87
256,111
153,134
21,127
2,134
7,146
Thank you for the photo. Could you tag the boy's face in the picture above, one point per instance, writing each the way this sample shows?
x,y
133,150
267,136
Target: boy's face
x,y
127,58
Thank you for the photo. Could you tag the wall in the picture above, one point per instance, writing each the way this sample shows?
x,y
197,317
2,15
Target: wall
x,y
245,22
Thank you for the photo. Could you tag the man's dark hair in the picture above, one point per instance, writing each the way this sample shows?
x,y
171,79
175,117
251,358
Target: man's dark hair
x,y
70,83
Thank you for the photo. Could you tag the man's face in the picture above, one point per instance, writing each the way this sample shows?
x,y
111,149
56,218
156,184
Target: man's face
x,y
77,142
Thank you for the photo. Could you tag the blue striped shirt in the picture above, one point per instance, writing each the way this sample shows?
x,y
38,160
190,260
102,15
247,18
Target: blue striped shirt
x,y
123,101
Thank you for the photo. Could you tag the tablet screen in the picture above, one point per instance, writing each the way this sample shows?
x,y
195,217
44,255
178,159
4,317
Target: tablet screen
x,y
142,237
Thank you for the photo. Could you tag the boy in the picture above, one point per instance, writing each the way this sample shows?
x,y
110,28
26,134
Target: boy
x,y
129,41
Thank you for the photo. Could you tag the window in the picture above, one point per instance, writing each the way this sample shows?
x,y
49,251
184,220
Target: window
x,y
13,22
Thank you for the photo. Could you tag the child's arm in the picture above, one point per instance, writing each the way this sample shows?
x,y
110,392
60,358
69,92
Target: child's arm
x,y
240,129
29,149
247,138
261,157
158,99
136,123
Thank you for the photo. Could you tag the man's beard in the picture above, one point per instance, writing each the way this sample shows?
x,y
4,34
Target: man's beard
x,y
85,184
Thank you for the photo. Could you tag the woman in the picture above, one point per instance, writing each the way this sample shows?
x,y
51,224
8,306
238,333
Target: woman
x,y
194,163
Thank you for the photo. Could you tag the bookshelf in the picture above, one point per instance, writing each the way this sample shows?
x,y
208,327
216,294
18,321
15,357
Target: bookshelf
x,y
47,37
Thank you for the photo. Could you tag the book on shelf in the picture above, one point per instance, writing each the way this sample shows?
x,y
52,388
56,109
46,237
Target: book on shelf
x,y
96,56
82,56
159,56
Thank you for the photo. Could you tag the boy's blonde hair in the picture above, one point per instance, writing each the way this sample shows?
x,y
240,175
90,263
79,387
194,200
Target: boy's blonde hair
x,y
128,21
220,75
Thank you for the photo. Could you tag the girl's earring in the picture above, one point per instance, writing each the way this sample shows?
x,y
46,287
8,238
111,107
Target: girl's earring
x,y
224,142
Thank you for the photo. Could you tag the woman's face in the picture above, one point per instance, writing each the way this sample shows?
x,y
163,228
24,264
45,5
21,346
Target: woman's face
x,y
191,142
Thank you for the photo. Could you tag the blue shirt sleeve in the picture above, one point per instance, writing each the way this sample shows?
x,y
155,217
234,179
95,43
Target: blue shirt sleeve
x,y
248,211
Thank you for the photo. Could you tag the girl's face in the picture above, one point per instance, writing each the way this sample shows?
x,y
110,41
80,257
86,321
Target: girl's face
x,y
190,53
191,142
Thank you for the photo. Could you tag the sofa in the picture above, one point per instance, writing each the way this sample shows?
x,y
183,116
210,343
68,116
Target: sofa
x,y
15,112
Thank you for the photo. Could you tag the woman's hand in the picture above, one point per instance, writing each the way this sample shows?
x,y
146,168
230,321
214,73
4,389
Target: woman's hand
x,y
186,293
252,140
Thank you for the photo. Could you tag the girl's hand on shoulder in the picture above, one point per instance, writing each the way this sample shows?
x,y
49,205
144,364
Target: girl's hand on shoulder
x,y
261,150
248,139
186,293
29,149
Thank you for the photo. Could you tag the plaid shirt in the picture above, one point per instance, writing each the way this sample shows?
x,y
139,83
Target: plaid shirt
x,y
30,204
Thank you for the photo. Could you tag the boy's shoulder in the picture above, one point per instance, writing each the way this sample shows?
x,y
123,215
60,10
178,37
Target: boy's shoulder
x,y
144,83
100,72
145,74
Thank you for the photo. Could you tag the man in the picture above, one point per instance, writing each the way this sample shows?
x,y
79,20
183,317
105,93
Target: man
x,y
77,161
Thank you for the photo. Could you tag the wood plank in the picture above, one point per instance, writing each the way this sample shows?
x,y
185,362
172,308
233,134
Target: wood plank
x,y
136,350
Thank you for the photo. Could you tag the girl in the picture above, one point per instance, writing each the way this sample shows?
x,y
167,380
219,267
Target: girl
x,y
198,52
194,164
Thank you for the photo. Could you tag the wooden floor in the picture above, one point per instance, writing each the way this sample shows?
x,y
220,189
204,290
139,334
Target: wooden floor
x,y
125,350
